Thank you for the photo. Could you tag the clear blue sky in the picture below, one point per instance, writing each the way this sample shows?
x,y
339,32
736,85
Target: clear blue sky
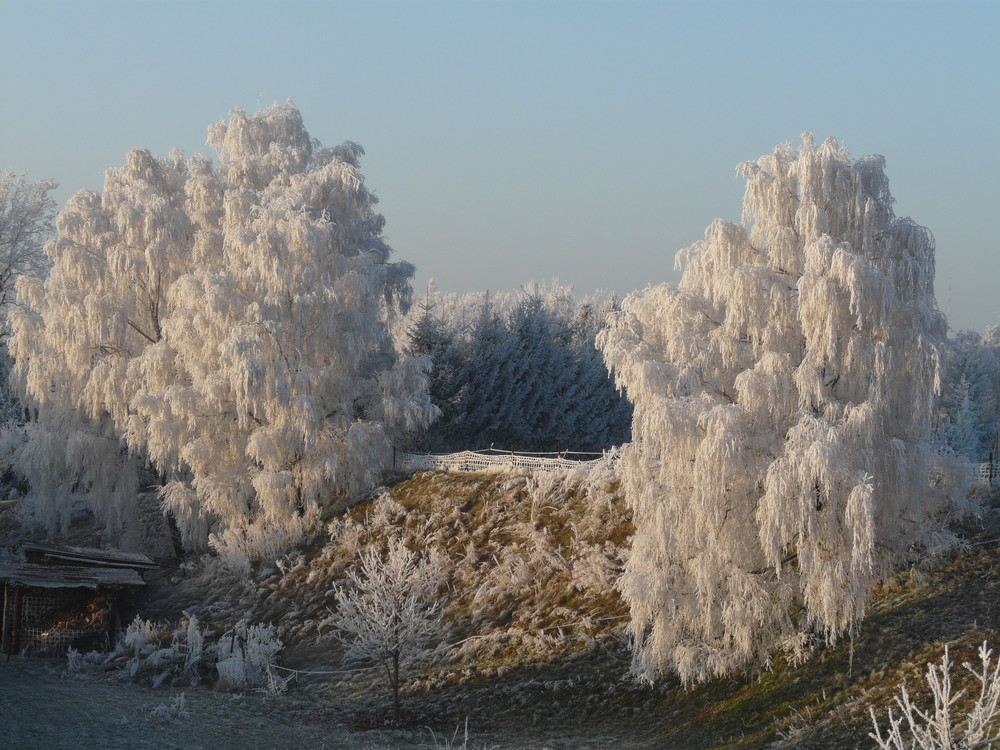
x,y
509,141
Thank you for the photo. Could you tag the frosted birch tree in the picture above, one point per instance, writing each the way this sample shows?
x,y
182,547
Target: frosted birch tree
x,y
226,324
784,394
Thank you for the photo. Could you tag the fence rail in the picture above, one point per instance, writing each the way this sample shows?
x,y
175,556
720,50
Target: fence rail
x,y
484,460
986,473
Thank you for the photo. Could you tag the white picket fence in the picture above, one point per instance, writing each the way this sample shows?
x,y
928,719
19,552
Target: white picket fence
x,y
485,460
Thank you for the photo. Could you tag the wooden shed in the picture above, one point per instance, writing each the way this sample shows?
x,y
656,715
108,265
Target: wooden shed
x,y
54,597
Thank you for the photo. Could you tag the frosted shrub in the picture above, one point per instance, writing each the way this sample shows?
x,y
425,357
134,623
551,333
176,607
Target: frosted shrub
x,y
784,395
390,610
195,645
594,570
939,728
176,710
346,536
140,636
246,658
452,743
150,653
181,656
83,663
74,661
385,512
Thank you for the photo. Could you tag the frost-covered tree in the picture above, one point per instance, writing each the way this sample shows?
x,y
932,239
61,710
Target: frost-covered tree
x,y
26,213
969,406
963,430
389,611
225,323
518,371
784,394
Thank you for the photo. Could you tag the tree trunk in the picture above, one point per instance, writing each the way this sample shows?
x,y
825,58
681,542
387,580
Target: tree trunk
x,y
395,687
175,536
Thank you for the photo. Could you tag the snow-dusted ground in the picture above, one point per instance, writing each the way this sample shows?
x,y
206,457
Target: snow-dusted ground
x,y
40,707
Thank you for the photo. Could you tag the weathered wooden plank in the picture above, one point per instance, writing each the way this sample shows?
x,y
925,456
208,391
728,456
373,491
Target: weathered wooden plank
x,y
66,576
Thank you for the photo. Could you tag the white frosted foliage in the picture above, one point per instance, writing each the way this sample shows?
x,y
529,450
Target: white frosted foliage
x,y
390,610
229,324
784,393
26,213
947,725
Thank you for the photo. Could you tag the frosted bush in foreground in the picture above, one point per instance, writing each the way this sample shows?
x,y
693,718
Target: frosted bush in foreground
x,y
939,728
246,658
176,710
451,743
149,657
79,662
139,634
390,610
153,654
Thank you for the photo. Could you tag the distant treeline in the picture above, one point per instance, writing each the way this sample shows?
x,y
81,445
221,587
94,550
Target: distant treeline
x,y
517,371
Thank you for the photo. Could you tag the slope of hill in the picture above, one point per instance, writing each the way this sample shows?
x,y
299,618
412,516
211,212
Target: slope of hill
x,y
536,655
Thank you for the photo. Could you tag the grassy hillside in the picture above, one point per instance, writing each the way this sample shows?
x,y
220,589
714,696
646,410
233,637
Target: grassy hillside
x,y
536,655
531,561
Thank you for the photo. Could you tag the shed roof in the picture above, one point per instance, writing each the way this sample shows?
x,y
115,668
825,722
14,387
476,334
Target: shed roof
x,y
67,576
109,558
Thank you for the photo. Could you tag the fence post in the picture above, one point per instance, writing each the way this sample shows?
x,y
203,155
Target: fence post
x,y
5,635
15,639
